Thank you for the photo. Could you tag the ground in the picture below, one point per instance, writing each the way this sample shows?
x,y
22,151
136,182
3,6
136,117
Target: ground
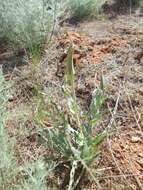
x,y
112,48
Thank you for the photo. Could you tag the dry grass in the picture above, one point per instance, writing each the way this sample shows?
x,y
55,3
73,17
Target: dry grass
x,y
119,164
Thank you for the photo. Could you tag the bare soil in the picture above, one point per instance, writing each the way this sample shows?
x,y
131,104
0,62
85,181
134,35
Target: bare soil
x,y
113,48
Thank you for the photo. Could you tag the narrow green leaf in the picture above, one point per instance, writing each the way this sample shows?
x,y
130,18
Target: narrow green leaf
x,y
98,139
102,83
70,68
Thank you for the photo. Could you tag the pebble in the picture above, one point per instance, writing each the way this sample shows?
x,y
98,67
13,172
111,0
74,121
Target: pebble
x,y
140,162
140,155
141,91
135,139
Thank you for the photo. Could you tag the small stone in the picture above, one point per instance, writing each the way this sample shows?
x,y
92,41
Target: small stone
x,y
140,155
141,91
136,139
140,162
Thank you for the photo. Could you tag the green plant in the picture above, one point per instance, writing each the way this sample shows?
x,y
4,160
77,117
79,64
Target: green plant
x,y
25,24
7,161
85,8
29,175
71,140
35,175
128,3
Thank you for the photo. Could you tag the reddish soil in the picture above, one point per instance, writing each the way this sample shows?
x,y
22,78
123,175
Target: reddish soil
x,y
114,48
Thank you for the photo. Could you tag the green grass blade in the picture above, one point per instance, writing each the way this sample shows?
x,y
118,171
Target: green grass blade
x,y
70,68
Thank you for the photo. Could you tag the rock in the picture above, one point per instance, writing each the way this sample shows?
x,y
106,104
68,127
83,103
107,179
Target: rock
x,y
135,139
141,91
140,162
140,155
